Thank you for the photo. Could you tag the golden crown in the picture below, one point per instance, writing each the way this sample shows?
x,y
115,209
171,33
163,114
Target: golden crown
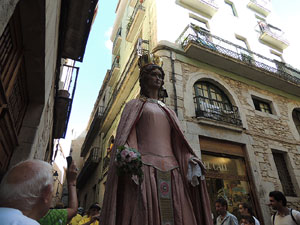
x,y
146,58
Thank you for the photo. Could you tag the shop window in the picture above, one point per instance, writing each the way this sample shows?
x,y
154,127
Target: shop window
x,y
283,173
296,119
227,178
230,8
262,105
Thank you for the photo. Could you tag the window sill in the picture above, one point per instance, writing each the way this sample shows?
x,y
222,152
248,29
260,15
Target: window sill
x,y
219,124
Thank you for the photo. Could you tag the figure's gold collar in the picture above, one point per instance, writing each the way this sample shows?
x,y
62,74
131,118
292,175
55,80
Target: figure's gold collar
x,y
151,100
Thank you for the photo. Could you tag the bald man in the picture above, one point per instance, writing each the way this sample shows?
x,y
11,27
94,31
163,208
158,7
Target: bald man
x,y
25,193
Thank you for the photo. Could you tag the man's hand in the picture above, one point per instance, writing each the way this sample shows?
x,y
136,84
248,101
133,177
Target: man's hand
x,y
95,217
72,174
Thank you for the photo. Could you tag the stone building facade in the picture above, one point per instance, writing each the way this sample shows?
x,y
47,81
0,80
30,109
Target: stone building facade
x,y
37,84
238,101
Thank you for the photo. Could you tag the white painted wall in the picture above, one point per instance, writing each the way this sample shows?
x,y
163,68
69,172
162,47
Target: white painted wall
x,y
172,18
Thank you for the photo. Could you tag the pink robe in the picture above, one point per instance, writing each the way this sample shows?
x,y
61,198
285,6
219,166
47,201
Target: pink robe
x,y
165,149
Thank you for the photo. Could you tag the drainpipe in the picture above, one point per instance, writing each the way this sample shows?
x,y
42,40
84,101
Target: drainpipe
x,y
172,57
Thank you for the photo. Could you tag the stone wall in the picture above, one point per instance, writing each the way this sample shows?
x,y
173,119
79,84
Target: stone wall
x,y
261,132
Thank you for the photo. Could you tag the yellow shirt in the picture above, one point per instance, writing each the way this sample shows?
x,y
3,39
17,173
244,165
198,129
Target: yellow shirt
x,y
75,220
88,219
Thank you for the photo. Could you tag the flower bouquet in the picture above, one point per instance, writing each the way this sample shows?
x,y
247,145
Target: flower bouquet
x,y
129,162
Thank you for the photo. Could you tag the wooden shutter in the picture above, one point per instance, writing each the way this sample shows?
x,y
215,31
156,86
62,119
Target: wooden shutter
x,y
13,89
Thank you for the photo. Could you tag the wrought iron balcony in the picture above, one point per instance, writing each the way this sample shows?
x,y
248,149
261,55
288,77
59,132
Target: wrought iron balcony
x,y
260,6
106,162
132,3
89,166
273,36
208,7
64,100
117,41
135,21
115,70
215,51
217,110
94,128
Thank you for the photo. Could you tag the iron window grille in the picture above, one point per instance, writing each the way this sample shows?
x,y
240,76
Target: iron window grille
x,y
211,102
296,118
283,173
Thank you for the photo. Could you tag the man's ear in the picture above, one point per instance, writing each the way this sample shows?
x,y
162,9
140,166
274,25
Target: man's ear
x,y
47,193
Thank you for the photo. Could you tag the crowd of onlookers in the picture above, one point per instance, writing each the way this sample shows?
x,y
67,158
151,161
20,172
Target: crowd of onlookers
x,y
282,216
26,195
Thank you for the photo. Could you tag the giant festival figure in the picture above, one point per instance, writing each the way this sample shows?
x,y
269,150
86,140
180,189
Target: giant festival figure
x,y
173,190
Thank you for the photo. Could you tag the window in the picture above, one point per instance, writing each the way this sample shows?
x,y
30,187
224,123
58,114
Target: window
x,y
211,94
296,119
230,8
202,23
278,61
245,55
277,56
242,42
211,102
259,18
262,105
283,173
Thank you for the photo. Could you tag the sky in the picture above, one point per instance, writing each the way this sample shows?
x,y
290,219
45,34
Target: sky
x,y
97,58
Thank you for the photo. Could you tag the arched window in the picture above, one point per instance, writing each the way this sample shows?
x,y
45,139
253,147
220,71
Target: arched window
x,y
212,102
296,118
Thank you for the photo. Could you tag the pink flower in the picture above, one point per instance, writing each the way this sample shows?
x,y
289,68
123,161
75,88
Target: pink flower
x,y
124,154
132,155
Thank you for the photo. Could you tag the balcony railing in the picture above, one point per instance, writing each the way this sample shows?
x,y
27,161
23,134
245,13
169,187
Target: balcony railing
x,y
64,100
106,162
193,36
117,41
208,7
272,36
217,110
260,6
89,166
135,22
115,69
94,128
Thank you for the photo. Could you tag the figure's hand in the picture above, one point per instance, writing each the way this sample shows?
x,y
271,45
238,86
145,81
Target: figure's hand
x,y
72,174
195,160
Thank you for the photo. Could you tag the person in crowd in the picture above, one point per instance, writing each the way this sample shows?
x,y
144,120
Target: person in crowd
x,y
63,216
246,210
76,219
247,220
283,215
224,218
92,217
26,193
